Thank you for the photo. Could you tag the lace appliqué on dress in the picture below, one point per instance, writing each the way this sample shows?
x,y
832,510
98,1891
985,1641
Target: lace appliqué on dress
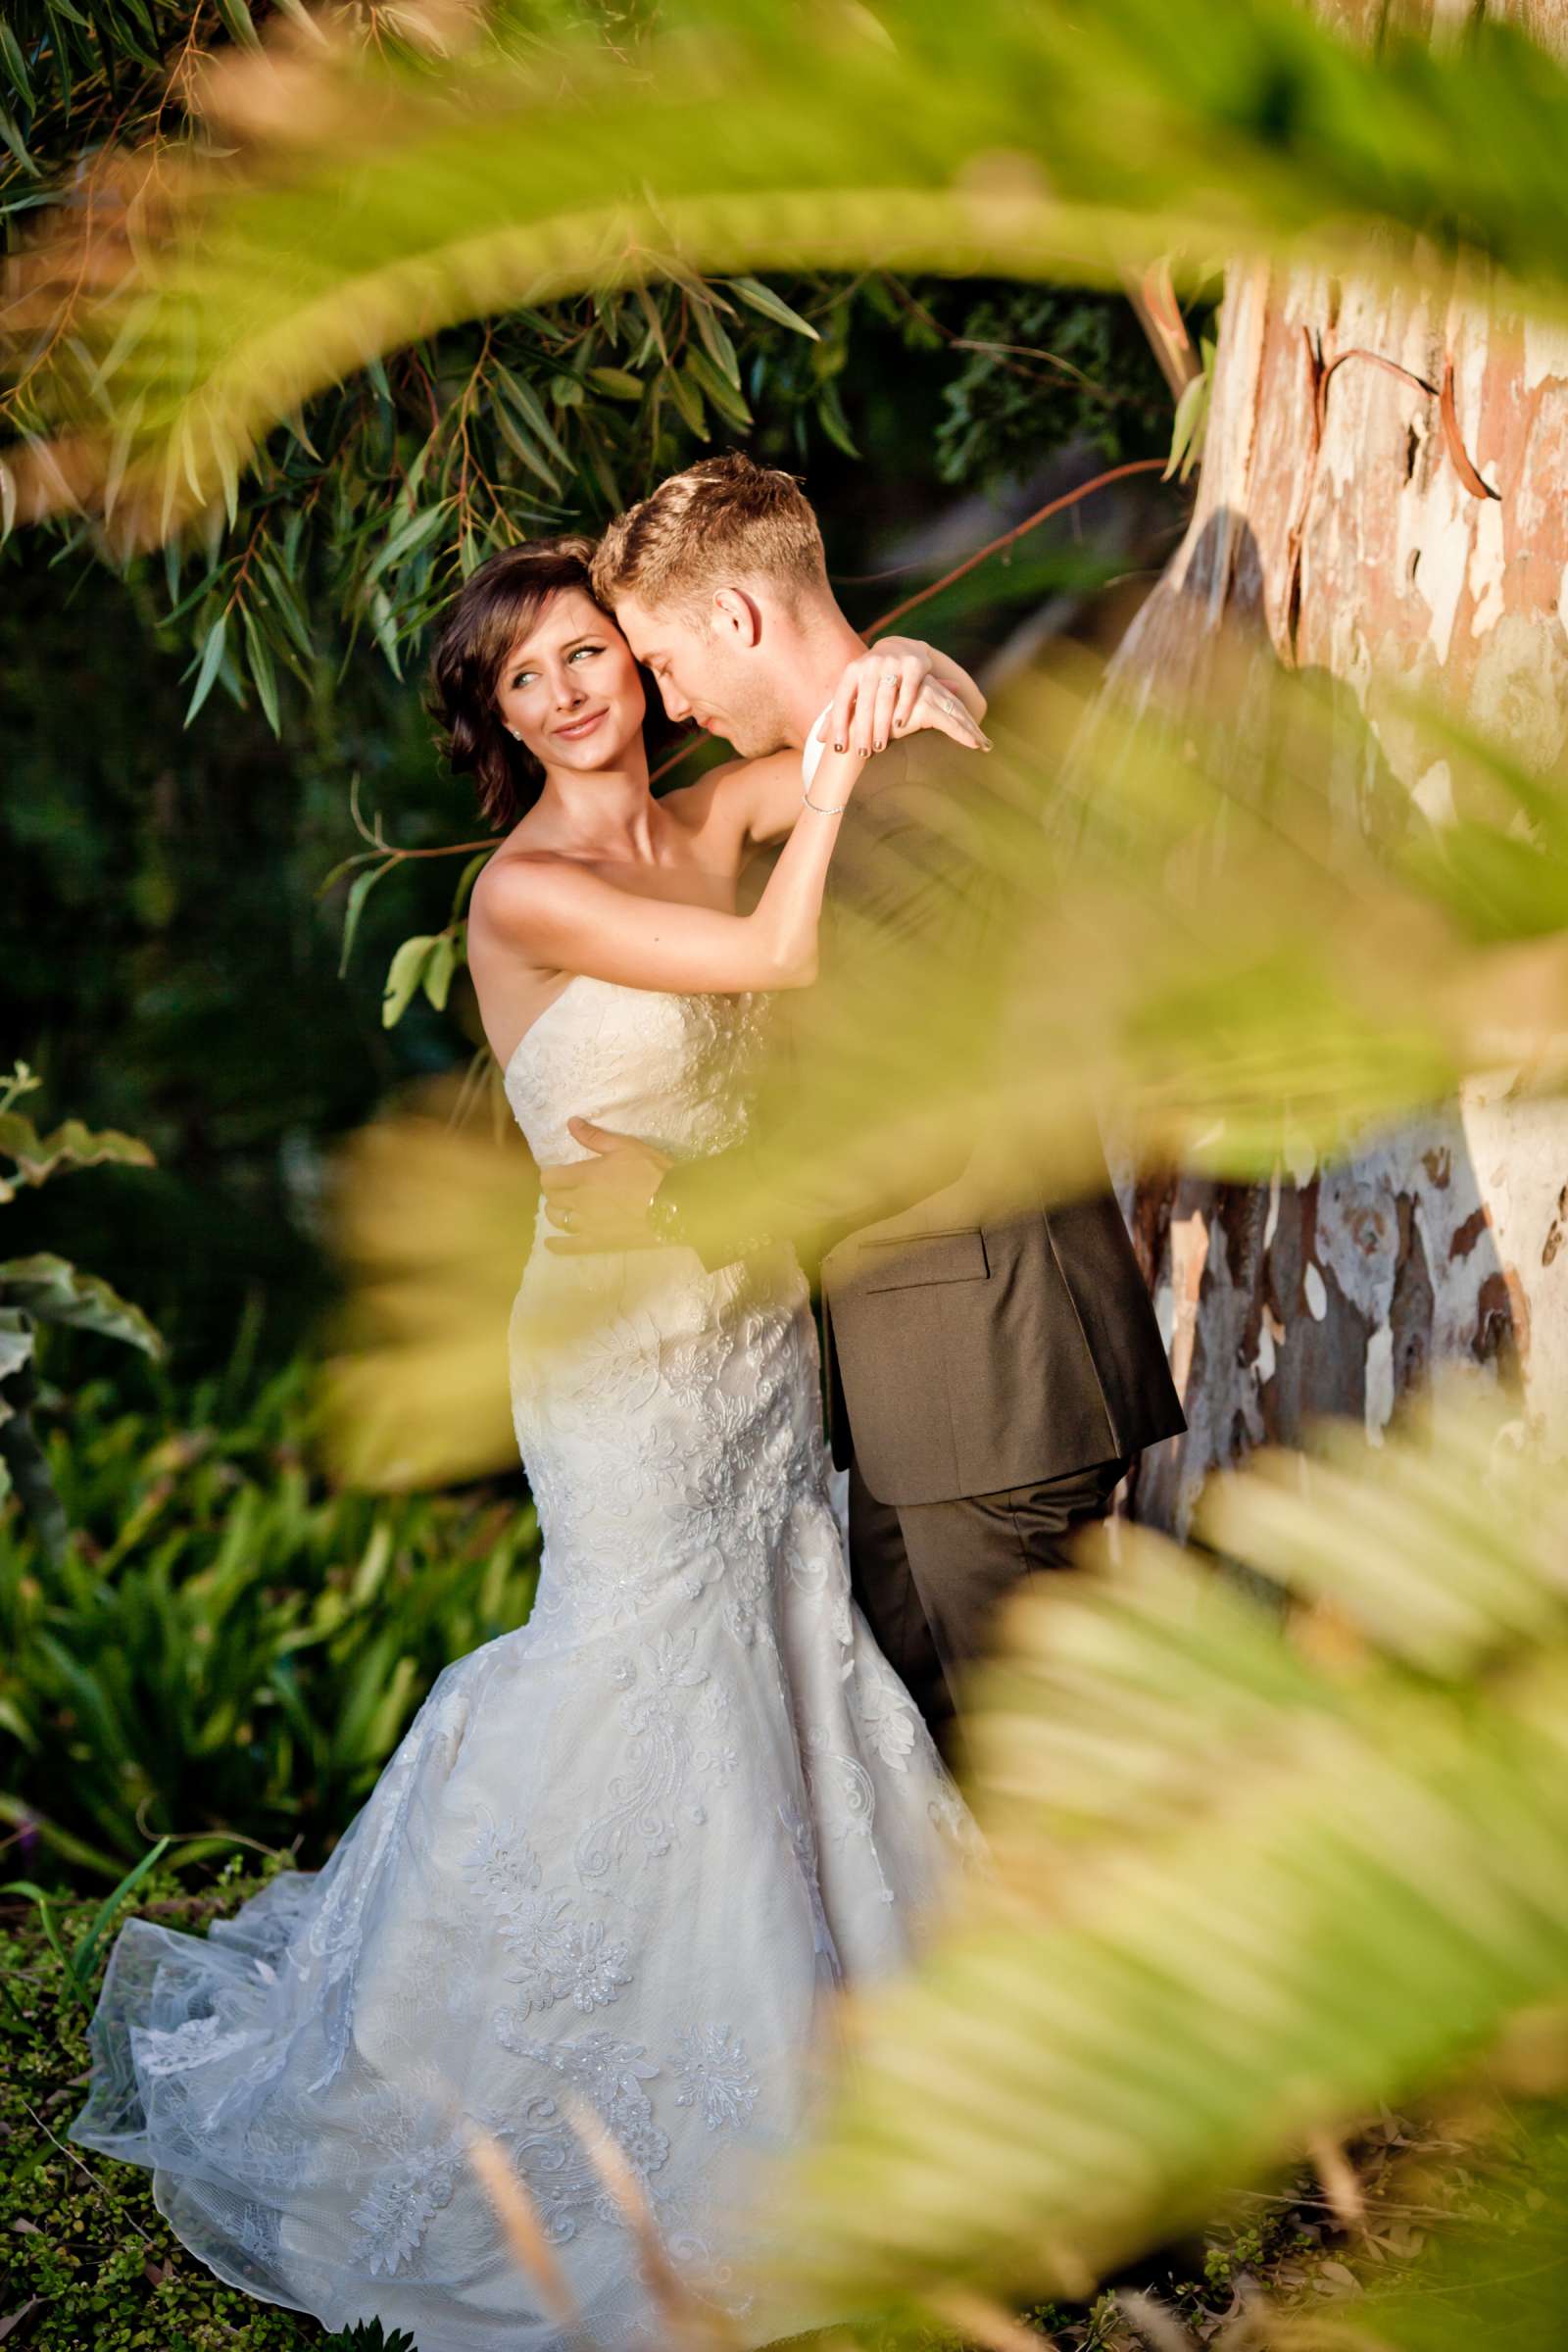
x,y
714,2075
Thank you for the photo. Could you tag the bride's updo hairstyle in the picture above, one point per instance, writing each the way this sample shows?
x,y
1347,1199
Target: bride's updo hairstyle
x,y
499,604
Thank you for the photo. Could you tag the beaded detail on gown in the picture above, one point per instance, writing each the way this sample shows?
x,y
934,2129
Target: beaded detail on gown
x,y
621,1857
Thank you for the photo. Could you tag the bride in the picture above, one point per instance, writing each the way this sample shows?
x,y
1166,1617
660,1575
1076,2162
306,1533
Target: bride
x,y
623,1856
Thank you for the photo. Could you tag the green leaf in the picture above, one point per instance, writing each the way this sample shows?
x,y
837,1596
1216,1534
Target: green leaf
x,y
773,306
359,890
684,393
531,410
402,978
383,621
53,1291
720,350
211,660
438,968
467,879
237,21
12,136
522,446
722,394
287,604
261,670
599,463
653,336
11,51
71,1145
836,425
85,1950
60,45
618,382
37,1894
411,533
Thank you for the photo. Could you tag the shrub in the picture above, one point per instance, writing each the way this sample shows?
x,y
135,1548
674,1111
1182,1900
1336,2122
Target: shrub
x,y
224,1644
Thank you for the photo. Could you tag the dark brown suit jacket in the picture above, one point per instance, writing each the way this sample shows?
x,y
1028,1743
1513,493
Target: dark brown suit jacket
x,y
977,1338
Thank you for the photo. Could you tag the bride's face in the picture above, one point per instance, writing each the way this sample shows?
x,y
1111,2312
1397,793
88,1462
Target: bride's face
x,y
569,689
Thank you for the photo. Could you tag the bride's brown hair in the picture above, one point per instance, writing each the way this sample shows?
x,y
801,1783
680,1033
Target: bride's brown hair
x,y
491,610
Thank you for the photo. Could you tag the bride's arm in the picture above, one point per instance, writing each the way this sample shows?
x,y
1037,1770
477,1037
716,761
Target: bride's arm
x,y
563,918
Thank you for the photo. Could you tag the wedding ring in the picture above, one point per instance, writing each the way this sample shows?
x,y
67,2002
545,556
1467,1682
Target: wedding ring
x,y
890,678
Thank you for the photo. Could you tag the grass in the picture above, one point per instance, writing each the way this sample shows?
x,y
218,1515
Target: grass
x,y
87,2260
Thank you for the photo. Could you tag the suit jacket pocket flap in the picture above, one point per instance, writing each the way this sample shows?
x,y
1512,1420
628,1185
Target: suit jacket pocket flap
x,y
903,1260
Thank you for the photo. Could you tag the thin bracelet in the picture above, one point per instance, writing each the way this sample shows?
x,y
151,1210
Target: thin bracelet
x,y
805,795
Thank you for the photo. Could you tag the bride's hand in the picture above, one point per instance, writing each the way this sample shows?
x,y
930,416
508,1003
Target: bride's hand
x,y
896,690
937,706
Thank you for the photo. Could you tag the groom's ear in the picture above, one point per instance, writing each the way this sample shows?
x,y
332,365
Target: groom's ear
x,y
738,616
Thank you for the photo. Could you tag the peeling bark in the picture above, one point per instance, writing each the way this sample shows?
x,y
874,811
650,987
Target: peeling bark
x,y
1358,537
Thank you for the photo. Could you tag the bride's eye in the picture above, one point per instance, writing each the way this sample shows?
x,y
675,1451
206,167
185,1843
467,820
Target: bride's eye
x,y
585,648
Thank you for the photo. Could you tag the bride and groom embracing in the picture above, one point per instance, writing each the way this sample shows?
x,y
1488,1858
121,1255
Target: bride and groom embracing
x,y
623,1857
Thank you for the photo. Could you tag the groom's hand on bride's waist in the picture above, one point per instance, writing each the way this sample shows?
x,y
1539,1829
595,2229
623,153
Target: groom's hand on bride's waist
x,y
602,1202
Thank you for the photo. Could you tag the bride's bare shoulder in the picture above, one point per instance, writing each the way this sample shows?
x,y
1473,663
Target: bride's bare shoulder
x,y
506,884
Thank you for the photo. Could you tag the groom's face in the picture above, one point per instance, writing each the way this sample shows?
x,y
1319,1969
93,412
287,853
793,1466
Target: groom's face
x,y
713,670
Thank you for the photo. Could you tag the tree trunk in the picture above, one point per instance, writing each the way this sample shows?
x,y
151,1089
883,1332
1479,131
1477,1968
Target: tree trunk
x,y
1373,551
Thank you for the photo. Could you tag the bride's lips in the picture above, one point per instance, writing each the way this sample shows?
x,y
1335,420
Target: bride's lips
x,y
580,727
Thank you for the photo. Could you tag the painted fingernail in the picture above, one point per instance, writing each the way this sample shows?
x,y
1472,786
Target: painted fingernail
x,y
838,747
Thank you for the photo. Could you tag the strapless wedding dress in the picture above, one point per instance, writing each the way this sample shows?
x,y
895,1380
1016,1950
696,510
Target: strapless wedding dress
x,y
622,1858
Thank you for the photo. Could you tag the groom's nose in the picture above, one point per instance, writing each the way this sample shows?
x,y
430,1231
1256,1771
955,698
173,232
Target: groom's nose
x,y
675,703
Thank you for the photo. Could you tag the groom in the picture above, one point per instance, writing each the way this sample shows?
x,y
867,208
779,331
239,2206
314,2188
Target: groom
x,y
993,1365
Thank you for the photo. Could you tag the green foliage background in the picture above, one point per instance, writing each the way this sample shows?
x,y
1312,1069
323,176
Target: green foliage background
x,y
225,1645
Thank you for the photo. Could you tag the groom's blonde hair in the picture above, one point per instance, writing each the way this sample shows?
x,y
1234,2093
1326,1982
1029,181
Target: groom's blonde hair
x,y
724,519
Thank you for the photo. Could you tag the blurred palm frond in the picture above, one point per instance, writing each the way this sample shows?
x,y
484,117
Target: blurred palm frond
x,y
346,200
432,1219
1247,1886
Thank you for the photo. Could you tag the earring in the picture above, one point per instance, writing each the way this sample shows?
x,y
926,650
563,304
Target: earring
x,y
514,733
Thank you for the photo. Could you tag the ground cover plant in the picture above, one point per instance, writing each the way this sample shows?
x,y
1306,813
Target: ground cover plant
x,y
86,2257
226,1644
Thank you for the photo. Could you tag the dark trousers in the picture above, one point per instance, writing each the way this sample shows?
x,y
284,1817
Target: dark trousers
x,y
929,1575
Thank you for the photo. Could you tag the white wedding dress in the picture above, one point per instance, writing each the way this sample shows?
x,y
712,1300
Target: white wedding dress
x,y
621,1857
